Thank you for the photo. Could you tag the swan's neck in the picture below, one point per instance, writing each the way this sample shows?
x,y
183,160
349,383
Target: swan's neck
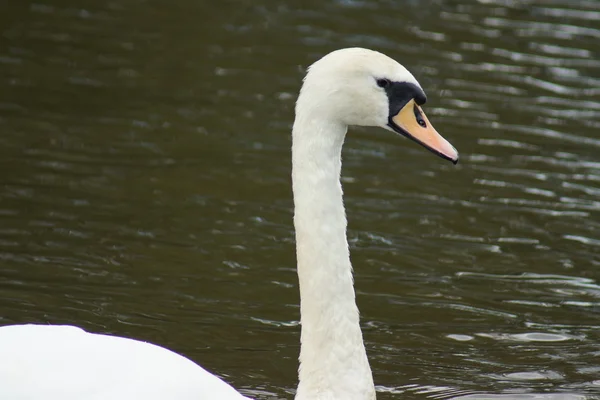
x,y
333,361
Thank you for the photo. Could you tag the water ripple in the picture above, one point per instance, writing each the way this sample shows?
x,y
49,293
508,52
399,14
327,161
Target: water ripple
x,y
138,164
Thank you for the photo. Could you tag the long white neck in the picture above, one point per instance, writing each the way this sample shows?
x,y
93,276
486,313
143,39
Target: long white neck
x,y
333,360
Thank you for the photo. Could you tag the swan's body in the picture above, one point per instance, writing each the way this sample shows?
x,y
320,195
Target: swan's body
x,y
67,363
346,87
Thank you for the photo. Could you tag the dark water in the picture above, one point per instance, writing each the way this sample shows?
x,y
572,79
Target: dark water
x,y
144,187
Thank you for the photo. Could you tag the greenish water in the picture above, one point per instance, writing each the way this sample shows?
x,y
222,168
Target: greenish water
x,y
144,187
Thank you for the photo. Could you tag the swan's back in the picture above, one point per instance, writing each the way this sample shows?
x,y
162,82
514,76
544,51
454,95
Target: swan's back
x,y
67,363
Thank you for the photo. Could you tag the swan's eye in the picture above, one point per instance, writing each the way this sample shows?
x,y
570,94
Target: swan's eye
x,y
383,83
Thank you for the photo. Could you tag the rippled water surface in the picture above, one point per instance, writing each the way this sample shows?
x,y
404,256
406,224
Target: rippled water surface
x,y
144,187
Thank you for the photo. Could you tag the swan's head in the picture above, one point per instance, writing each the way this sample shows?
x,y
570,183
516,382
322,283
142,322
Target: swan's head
x,y
363,87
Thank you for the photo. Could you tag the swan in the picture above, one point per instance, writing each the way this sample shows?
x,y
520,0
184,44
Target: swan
x,y
346,87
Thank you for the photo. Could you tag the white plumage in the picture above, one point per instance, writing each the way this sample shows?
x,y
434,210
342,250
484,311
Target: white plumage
x,y
346,87
66,363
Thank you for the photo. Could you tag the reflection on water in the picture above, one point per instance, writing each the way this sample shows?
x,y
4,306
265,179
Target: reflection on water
x,y
144,187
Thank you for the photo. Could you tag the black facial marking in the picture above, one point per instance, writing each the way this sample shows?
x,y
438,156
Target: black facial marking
x,y
400,93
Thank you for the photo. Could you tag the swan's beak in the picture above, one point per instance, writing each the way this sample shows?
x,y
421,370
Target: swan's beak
x,y
412,122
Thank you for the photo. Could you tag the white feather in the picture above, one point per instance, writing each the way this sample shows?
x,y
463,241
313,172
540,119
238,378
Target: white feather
x,y
40,362
65,362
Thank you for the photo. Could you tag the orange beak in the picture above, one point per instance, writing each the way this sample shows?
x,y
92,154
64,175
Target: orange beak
x,y
412,122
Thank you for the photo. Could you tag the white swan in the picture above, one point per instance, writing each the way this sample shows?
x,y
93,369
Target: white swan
x,y
346,87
